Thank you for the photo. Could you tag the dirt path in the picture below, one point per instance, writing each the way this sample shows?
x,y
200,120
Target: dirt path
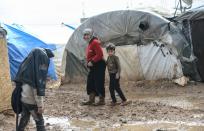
x,y
155,105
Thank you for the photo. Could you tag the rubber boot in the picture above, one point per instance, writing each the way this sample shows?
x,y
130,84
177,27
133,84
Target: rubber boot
x,y
101,101
90,101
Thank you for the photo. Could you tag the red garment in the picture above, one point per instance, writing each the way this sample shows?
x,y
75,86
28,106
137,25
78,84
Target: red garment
x,y
94,51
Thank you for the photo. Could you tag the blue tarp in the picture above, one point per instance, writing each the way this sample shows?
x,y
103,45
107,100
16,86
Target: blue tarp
x,y
20,43
69,26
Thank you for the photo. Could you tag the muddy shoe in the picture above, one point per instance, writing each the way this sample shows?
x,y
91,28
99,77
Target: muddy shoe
x,y
113,104
124,103
101,102
87,103
91,100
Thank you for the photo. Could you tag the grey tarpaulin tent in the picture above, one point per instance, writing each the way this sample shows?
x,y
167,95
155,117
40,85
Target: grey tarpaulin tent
x,y
192,25
149,46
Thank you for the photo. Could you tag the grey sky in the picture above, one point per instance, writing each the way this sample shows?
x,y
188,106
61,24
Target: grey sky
x,y
44,17
69,11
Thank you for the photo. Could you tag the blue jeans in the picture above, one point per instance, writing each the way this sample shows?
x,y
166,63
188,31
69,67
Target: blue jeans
x,y
28,110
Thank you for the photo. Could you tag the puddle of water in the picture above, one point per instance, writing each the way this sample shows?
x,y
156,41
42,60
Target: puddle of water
x,y
199,128
64,124
57,120
83,123
198,115
156,126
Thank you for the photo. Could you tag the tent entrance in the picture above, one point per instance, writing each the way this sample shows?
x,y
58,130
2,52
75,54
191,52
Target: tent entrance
x,y
197,32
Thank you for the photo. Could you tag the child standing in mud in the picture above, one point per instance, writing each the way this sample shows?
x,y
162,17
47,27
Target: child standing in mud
x,y
114,69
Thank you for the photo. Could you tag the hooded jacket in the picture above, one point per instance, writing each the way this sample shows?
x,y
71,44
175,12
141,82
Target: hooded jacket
x,y
33,70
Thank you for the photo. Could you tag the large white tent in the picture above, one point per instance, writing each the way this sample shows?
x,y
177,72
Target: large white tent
x,y
149,46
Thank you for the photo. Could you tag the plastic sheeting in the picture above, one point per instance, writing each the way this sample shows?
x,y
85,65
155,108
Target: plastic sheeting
x,y
126,28
147,62
192,25
158,62
20,43
193,14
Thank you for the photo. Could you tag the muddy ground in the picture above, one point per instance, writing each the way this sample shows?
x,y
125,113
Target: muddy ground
x,y
155,106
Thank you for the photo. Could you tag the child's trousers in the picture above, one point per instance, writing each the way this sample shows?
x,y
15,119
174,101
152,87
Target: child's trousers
x,y
28,110
115,86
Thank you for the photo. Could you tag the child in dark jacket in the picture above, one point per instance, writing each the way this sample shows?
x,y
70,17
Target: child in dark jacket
x,y
114,69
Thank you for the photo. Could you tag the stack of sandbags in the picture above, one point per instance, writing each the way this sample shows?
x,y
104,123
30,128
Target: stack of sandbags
x,y
5,79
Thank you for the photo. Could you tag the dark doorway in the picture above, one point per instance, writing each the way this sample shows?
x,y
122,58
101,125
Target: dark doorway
x,y
197,33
